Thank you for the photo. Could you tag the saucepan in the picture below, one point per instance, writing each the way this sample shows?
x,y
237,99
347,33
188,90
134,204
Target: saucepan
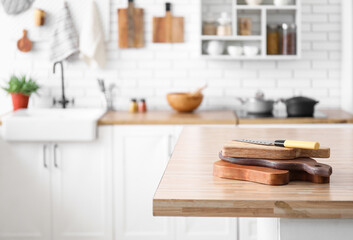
x,y
300,106
257,104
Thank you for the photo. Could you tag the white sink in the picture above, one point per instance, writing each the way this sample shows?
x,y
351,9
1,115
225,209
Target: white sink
x,y
51,125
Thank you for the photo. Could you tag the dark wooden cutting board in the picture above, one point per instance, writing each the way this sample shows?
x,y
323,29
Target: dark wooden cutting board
x,y
263,175
248,150
131,27
300,164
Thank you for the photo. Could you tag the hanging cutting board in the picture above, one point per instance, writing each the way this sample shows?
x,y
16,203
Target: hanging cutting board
x,y
131,26
24,44
168,29
248,150
263,175
300,164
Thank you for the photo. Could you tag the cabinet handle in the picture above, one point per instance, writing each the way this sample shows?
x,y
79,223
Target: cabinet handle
x,y
45,156
55,157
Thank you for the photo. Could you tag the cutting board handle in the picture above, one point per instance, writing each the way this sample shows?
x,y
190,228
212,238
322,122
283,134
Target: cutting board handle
x,y
24,33
168,7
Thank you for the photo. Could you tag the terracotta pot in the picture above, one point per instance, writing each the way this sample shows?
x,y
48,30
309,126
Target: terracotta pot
x,y
19,101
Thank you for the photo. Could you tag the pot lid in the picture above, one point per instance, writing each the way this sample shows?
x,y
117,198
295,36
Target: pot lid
x,y
300,99
259,97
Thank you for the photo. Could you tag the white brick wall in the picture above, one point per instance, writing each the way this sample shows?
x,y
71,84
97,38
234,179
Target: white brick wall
x,y
161,68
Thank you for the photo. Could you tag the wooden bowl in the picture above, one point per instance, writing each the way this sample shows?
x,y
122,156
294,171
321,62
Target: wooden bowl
x,y
184,102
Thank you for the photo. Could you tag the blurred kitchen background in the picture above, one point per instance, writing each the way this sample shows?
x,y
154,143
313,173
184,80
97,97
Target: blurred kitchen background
x,y
153,71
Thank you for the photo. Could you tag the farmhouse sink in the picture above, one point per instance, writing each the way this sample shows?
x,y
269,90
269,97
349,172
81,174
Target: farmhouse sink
x,y
51,125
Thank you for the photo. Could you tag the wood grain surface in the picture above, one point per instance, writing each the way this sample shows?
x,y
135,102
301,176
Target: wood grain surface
x,y
168,117
248,150
263,175
24,44
131,27
299,164
188,187
168,29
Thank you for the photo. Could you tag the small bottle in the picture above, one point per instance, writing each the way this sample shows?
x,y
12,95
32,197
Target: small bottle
x,y
133,106
142,108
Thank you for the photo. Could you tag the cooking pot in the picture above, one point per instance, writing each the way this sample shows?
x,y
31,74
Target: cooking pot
x,y
300,106
257,104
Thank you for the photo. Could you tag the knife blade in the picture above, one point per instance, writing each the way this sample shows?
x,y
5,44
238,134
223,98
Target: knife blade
x,y
283,143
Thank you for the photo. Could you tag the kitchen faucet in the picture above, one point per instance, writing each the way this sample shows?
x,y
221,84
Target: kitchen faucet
x,y
63,101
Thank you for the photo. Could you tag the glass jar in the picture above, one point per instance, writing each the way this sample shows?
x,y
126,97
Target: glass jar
x,y
209,26
287,39
224,25
272,39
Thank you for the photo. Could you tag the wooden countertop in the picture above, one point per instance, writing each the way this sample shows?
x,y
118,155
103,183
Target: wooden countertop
x,y
188,188
333,116
168,117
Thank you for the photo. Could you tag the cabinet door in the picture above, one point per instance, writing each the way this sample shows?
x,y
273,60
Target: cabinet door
x,y
82,185
24,192
140,157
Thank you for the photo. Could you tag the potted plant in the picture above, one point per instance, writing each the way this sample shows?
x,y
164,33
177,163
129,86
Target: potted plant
x,y
20,88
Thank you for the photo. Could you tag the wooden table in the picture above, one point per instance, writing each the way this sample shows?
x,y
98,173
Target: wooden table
x,y
218,117
188,188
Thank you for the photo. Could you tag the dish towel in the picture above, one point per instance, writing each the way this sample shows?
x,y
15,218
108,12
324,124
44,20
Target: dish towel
x,y
92,46
14,7
65,39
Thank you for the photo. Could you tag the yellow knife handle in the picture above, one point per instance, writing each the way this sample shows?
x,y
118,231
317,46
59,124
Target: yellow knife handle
x,y
301,144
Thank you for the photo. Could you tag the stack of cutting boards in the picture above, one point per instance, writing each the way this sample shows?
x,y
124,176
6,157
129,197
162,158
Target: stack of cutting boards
x,y
271,165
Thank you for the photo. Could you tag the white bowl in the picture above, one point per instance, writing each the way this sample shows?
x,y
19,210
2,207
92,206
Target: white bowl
x,y
251,51
235,50
253,2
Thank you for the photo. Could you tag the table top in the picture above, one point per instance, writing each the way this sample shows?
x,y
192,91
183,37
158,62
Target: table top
x,y
168,117
188,187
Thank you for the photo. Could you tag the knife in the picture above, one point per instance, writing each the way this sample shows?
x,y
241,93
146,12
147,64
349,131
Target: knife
x,y
284,143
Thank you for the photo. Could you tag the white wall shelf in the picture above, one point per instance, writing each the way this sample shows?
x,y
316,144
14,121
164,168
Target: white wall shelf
x,y
261,15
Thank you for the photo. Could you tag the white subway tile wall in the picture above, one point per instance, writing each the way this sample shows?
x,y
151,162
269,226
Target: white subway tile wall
x,y
157,69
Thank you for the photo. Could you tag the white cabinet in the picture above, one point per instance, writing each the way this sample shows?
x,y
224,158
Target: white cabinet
x,y
81,186
24,192
141,154
140,157
56,191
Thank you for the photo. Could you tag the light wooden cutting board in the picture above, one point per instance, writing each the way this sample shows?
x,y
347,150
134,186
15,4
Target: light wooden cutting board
x,y
168,29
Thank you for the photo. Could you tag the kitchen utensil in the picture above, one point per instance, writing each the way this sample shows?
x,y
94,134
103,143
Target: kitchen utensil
x,y
263,175
300,164
235,50
39,17
282,2
300,106
131,26
251,51
198,92
184,102
284,143
214,47
168,29
253,2
257,104
248,150
24,44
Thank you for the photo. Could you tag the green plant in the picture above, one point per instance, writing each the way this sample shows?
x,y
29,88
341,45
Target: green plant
x,y
20,84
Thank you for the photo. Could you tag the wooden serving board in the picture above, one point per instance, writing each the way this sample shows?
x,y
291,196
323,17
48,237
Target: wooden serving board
x,y
248,150
168,29
131,27
263,175
24,44
300,164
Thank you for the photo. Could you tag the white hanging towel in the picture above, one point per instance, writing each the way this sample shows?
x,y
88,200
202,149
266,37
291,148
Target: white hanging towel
x,y
65,39
92,46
